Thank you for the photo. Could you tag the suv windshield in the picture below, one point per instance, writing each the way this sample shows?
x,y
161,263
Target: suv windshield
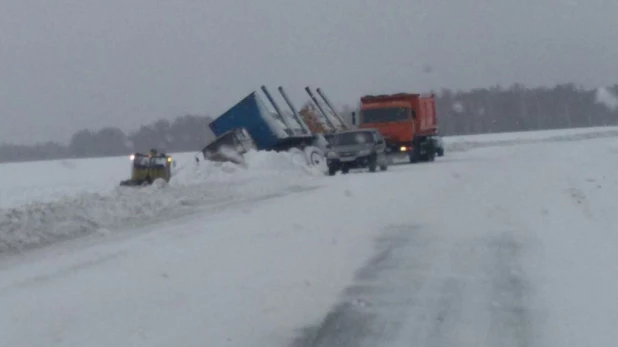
x,y
381,115
351,138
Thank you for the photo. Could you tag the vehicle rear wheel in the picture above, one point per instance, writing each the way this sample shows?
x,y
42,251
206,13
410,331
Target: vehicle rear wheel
x,y
332,171
345,170
383,167
314,156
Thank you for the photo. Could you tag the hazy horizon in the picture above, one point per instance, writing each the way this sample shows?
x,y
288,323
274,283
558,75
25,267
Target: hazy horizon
x,y
69,65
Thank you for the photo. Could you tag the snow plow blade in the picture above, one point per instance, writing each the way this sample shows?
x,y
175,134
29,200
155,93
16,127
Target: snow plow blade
x,y
132,183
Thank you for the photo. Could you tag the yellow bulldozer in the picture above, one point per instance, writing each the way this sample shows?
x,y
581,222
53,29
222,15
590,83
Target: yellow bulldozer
x,y
146,168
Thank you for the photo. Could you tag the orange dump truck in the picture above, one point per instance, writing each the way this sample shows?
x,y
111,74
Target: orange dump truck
x,y
406,121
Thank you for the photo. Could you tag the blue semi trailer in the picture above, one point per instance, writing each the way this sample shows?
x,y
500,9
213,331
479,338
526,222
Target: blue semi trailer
x,y
267,130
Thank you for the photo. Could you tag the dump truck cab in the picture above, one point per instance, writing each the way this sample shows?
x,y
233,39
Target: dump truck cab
x,y
407,122
146,168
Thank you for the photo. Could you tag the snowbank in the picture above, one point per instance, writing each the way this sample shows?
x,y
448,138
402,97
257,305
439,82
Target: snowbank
x,y
267,165
204,185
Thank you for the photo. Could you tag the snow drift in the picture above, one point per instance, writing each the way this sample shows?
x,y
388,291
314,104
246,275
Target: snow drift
x,y
204,185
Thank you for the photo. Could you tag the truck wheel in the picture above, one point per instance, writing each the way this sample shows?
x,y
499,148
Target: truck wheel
x,y
332,171
314,156
345,170
431,156
384,163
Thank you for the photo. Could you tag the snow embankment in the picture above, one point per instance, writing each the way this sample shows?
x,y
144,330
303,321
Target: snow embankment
x,y
204,185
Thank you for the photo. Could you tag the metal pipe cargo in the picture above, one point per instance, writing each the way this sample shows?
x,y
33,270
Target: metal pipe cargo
x,y
315,100
277,109
303,126
330,105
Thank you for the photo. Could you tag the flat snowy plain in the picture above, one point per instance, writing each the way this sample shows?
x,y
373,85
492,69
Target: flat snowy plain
x,y
508,240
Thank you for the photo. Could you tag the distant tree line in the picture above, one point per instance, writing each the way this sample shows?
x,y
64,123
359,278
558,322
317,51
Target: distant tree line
x,y
477,111
521,109
183,134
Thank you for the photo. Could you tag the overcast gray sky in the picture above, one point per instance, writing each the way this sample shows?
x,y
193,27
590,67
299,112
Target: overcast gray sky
x,y
72,64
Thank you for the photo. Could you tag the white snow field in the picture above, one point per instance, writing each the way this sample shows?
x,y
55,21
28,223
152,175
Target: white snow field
x,y
45,181
496,244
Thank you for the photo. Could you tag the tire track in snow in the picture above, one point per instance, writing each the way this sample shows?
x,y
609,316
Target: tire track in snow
x,y
420,290
448,313
359,319
510,315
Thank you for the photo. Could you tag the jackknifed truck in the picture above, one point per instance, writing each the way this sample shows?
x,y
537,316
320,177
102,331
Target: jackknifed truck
x,y
251,125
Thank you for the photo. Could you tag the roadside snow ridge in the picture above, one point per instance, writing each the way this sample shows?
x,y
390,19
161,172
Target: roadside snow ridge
x,y
193,186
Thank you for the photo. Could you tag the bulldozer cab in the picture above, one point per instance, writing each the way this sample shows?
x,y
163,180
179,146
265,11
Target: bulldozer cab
x,y
147,168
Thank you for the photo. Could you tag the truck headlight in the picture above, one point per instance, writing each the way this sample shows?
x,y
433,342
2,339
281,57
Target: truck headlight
x,y
331,154
364,152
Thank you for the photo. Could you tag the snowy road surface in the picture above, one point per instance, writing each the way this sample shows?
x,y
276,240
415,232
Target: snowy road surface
x,y
499,246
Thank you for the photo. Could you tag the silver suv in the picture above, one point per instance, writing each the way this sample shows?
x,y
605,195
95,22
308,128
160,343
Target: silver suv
x,y
351,149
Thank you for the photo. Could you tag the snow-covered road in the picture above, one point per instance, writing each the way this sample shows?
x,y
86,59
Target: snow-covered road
x,y
499,246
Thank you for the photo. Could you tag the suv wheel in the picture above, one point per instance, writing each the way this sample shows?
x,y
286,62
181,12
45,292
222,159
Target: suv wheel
x,y
373,164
